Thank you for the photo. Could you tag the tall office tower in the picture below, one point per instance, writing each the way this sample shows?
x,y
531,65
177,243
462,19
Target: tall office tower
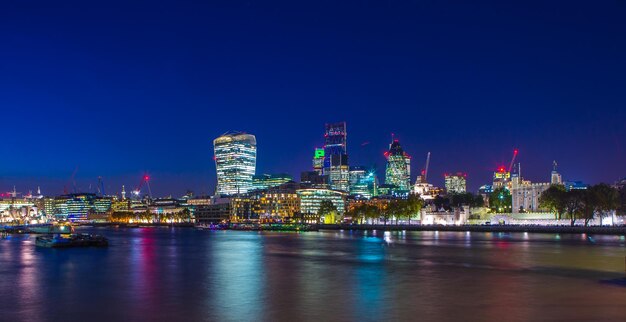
x,y
336,156
363,183
456,183
318,161
398,172
358,186
235,162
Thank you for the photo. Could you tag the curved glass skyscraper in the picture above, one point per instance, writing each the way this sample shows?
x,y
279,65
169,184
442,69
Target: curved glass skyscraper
x,y
235,162
398,170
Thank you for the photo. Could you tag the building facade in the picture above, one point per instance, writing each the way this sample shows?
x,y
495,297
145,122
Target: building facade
x,y
235,162
210,211
318,161
276,204
311,199
77,206
266,181
363,183
398,171
456,183
336,156
312,179
525,194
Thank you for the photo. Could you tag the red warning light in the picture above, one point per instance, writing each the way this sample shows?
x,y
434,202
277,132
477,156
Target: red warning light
x,y
146,178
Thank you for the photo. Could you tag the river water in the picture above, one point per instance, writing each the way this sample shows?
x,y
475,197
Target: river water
x,y
170,274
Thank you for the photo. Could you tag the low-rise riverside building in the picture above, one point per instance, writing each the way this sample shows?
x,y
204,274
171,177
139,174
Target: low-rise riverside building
x,y
280,203
311,199
213,210
77,206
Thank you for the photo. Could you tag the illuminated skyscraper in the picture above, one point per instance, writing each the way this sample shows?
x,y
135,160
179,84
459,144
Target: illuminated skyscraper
x,y
357,185
336,156
398,171
235,162
363,183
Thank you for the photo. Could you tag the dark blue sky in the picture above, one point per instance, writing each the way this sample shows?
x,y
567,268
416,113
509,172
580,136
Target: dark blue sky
x,y
119,88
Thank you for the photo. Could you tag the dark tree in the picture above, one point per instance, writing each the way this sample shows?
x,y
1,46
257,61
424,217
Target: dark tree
x,y
441,202
326,207
553,199
500,200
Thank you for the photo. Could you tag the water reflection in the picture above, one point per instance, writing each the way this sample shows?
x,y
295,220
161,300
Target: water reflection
x,y
238,263
369,279
163,274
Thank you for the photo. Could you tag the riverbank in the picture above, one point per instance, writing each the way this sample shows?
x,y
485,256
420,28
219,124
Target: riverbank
x,y
603,230
136,225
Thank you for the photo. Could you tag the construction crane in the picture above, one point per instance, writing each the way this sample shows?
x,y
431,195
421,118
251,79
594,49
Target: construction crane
x,y
144,180
14,193
101,187
425,171
512,160
72,181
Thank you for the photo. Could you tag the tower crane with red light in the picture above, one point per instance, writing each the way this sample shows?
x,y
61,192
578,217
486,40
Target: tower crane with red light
x,y
145,179
513,160
425,171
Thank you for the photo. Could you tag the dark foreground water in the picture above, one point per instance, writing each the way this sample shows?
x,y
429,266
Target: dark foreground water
x,y
163,274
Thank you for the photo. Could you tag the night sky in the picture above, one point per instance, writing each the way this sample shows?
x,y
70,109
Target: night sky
x,y
116,89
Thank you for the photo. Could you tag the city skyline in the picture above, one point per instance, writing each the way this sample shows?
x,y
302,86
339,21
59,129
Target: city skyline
x,y
150,94
73,185
280,160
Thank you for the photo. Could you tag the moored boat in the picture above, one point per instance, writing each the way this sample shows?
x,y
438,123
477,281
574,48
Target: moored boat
x,y
245,226
73,240
212,227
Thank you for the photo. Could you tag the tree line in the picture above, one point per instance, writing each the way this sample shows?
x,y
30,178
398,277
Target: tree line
x,y
597,201
457,200
394,209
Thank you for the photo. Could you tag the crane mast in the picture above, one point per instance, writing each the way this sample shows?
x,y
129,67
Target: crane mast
x,y
513,160
144,180
426,167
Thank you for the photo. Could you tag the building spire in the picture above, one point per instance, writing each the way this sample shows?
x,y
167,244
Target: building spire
x,y
555,177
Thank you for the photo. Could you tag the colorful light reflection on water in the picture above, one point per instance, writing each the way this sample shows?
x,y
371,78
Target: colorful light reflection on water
x,y
163,274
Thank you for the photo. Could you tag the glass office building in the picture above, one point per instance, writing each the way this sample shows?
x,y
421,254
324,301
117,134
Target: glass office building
x,y
311,199
336,156
398,172
235,162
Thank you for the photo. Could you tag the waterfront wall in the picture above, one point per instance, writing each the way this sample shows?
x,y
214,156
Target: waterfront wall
x,y
608,230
